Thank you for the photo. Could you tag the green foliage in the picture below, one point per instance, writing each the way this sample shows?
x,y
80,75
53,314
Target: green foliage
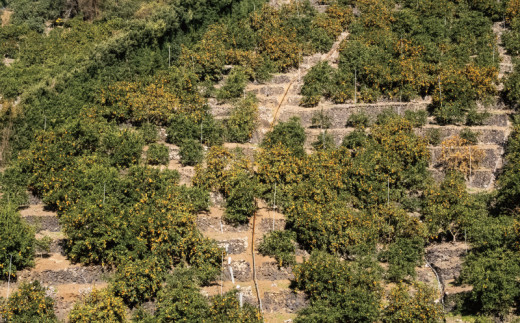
x,y
124,148
493,276
158,154
280,245
29,303
138,281
234,86
416,118
35,13
448,208
414,303
226,308
243,120
13,184
355,139
509,183
149,132
99,306
16,241
289,134
43,246
321,120
184,127
358,120
339,291
474,118
191,152
324,141
470,136
240,204
181,299
433,136
315,85
403,256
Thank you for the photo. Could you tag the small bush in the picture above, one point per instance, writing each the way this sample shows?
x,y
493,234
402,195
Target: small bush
x,y
234,85
240,204
183,127
28,304
416,118
226,308
191,152
474,118
182,288
325,141
99,307
242,122
149,132
406,306
403,256
158,154
16,241
433,136
43,246
355,139
358,120
316,83
470,136
321,120
123,147
138,281
280,245
289,134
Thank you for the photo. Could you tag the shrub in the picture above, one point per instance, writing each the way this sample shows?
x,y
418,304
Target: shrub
x,y
234,85
403,256
416,118
181,299
280,245
324,141
493,276
226,308
412,304
469,136
138,281
29,303
316,83
242,122
433,136
339,291
149,132
355,139
358,120
158,154
43,246
240,204
458,155
191,152
289,134
474,118
321,120
124,148
16,241
184,127
448,208
100,306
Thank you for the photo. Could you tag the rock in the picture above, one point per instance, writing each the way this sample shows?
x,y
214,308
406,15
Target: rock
x,y
446,259
270,271
234,246
287,301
